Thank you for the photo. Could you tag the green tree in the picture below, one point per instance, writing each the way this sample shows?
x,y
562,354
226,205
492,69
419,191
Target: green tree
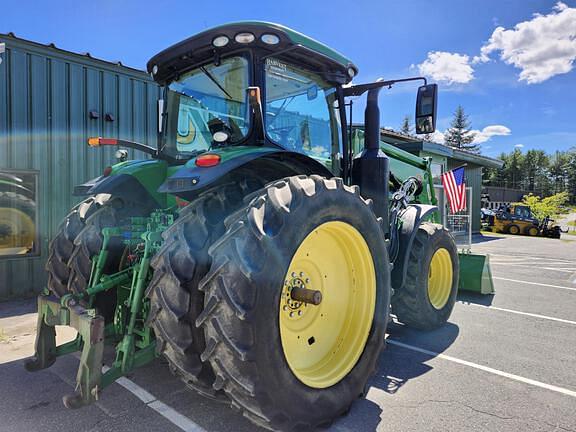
x,y
534,171
459,134
406,128
549,206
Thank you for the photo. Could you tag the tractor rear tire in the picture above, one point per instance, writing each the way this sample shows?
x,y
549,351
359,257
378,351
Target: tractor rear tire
x,y
532,231
427,298
62,245
105,212
289,365
179,266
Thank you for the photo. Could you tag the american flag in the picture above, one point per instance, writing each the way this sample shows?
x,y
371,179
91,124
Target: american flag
x,y
455,188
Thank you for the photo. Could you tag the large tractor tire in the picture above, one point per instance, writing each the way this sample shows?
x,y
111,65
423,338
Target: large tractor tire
x,y
178,267
288,364
17,222
429,292
62,245
79,240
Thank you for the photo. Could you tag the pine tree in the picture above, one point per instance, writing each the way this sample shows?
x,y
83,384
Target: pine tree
x,y
406,128
459,135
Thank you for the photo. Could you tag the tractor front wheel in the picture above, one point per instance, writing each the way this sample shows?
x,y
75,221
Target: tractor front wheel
x,y
296,303
429,292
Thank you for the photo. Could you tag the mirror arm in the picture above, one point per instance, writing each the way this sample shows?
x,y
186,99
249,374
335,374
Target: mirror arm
x,y
360,89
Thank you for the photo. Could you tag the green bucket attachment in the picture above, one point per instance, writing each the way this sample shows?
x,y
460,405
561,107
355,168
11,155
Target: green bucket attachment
x,y
475,273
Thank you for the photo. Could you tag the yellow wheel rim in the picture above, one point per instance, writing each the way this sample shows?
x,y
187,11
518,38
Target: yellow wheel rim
x,y
533,231
16,229
440,278
514,229
322,343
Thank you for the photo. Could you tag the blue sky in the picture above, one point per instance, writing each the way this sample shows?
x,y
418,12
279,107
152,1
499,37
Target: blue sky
x,y
510,69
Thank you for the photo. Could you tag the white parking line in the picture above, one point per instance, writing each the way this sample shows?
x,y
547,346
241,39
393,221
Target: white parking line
x,y
533,283
534,267
532,257
518,378
160,407
521,313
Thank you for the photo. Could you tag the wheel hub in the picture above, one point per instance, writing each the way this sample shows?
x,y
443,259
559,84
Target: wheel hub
x,y
294,306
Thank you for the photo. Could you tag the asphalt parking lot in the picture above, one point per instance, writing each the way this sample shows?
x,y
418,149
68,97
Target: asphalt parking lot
x,y
503,363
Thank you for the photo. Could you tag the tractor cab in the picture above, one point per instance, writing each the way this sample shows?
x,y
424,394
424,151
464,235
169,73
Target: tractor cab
x,y
207,104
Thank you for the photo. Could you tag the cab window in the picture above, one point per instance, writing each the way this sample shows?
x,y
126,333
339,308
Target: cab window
x,y
300,113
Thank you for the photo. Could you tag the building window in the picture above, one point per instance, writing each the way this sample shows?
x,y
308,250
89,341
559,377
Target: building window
x,y
436,170
18,213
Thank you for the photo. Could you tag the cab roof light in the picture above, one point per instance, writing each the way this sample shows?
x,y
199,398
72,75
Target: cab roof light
x,y
207,160
270,39
244,37
99,141
220,41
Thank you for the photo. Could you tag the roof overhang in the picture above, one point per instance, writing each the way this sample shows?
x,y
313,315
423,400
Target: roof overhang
x,y
442,150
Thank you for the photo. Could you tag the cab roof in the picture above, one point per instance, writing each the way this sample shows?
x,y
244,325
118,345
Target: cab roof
x,y
168,64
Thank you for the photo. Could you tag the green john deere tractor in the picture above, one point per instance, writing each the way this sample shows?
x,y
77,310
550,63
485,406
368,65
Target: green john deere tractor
x,y
261,247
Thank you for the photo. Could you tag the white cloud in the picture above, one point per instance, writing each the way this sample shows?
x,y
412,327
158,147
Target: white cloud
x,y
481,135
519,146
490,131
446,67
542,47
438,137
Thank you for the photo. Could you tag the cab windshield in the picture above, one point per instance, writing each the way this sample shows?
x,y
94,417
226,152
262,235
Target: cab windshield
x,y
206,100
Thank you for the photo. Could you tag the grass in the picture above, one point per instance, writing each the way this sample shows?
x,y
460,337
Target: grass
x,y
572,223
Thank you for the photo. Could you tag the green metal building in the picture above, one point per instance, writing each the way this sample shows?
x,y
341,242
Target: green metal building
x,y
51,101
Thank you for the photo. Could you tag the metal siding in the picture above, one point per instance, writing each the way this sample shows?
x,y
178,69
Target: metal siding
x,y
45,99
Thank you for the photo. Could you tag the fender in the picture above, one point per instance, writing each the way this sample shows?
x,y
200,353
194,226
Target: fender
x,y
123,186
267,162
411,219
135,181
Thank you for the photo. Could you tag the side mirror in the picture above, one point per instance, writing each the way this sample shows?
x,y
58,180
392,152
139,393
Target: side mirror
x,y
426,108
